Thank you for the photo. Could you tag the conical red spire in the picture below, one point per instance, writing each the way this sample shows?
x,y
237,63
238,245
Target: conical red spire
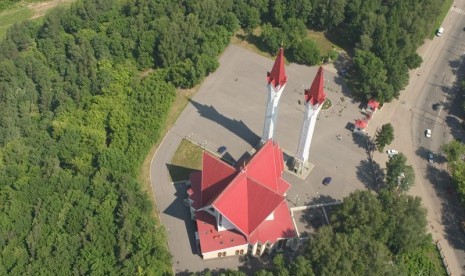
x,y
278,77
316,94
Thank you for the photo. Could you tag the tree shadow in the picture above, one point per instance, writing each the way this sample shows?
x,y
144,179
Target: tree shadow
x,y
363,141
423,152
237,127
370,174
253,39
452,212
456,127
179,209
315,217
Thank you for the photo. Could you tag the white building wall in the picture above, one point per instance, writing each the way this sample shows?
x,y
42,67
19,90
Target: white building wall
x,y
228,252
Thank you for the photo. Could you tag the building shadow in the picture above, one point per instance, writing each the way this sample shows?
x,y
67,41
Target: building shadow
x,y
239,128
179,209
452,212
179,173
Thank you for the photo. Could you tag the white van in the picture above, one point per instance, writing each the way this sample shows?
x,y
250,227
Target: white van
x,y
440,31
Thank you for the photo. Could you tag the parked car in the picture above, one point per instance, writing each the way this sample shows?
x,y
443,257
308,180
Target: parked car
x,y
326,180
430,157
392,152
440,31
428,133
437,106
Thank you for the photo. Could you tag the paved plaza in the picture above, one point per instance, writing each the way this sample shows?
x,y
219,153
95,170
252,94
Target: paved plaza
x,y
229,109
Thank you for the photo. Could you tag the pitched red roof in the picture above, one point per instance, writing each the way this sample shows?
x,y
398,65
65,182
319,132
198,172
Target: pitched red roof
x,y
212,240
246,203
373,104
267,166
316,94
246,196
216,175
362,124
281,227
277,76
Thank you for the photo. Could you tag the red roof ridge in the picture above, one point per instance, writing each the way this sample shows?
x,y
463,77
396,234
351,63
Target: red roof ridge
x,y
277,76
219,180
266,186
316,93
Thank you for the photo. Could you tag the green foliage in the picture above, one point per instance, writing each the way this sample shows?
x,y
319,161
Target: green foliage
x,y
374,235
76,122
370,80
399,176
306,52
455,152
388,31
384,136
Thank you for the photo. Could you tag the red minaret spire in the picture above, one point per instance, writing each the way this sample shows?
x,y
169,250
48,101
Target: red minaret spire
x,y
278,77
316,94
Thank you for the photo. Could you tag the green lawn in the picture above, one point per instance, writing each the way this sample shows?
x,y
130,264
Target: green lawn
x,y
188,158
12,16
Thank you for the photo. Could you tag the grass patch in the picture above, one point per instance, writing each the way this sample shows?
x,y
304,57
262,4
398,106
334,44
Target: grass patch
x,y
187,159
327,104
440,18
12,16
324,44
249,41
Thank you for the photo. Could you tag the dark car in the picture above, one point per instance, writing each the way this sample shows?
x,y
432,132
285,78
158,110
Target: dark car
x,y
221,149
430,157
437,106
327,180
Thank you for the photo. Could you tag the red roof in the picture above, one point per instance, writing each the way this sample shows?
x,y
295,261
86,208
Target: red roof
x,y
211,239
316,94
278,77
373,104
246,203
248,195
280,227
216,175
362,124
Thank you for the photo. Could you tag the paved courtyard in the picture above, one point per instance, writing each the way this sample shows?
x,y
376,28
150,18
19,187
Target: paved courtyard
x,y
229,109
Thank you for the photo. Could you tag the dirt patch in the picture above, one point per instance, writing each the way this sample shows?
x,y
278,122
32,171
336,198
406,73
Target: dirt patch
x,y
40,9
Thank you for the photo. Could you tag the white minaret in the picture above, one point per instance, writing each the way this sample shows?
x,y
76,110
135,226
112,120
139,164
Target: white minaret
x,y
314,98
276,81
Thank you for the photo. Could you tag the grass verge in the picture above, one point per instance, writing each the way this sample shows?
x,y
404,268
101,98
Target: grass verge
x,y
186,159
444,10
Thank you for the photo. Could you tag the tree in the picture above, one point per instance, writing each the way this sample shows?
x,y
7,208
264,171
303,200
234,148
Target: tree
x,y
454,151
399,176
370,78
384,136
306,52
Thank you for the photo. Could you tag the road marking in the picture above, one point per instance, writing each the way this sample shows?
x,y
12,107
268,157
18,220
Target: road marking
x,y
457,10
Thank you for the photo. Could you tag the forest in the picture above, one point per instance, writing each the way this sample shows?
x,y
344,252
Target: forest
x,y
78,113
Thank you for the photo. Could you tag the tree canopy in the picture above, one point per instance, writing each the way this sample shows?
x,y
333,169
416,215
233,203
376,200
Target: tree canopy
x,y
77,118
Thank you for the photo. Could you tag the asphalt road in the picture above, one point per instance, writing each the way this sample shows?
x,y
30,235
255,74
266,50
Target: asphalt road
x,y
434,82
